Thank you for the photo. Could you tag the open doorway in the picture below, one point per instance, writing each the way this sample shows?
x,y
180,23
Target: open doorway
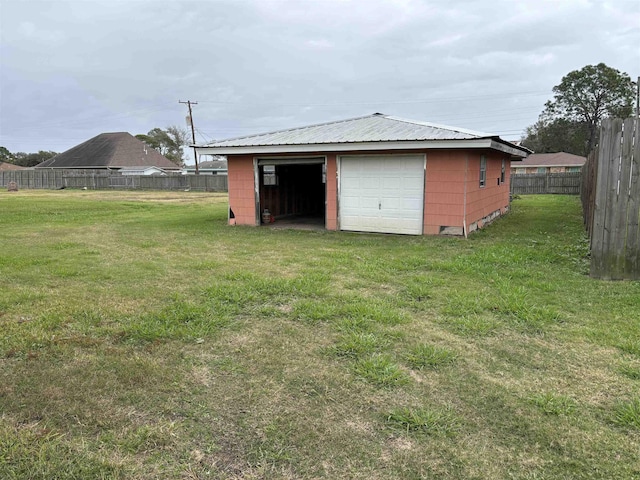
x,y
292,192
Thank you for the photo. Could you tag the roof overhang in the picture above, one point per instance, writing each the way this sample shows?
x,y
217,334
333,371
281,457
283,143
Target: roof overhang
x,y
480,143
551,166
96,167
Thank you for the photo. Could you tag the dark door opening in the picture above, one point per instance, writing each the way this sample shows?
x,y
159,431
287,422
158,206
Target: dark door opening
x,y
293,193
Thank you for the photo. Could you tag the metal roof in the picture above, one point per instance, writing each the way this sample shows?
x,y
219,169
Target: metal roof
x,y
371,128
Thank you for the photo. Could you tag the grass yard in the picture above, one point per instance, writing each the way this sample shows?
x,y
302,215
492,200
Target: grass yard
x,y
143,338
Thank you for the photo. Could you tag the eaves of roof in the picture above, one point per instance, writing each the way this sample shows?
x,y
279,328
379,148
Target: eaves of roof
x,y
483,143
546,165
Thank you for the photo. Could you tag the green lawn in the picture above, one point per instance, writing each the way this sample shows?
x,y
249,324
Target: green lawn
x,y
143,338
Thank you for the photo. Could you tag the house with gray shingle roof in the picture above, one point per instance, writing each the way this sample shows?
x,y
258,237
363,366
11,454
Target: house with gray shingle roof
x,y
376,173
218,166
111,151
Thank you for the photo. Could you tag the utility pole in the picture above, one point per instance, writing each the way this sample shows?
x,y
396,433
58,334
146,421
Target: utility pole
x,y
193,131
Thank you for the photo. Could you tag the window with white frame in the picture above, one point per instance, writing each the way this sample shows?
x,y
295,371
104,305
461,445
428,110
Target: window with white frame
x,y
483,170
502,172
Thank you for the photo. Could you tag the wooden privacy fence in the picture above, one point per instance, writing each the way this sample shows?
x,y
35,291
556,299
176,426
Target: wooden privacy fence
x,y
110,180
611,201
588,193
560,183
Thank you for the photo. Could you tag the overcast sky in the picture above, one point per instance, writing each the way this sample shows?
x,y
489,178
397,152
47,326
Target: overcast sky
x,y
73,69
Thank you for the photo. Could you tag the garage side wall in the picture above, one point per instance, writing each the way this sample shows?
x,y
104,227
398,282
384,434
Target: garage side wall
x,y
486,203
242,200
444,193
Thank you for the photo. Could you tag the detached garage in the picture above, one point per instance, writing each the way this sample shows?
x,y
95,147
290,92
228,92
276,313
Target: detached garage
x,y
370,174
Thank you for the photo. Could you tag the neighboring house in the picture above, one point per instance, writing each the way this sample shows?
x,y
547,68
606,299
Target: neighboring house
x,y
4,166
370,174
549,163
211,167
142,171
111,151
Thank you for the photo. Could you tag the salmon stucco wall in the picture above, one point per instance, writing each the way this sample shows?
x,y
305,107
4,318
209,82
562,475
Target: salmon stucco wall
x,y
242,200
444,191
485,203
331,216
451,176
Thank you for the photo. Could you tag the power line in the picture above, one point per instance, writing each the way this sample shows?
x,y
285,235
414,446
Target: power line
x,y
204,136
193,131
383,102
162,106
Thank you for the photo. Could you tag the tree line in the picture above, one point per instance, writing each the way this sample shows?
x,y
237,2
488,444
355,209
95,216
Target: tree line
x,y
25,159
583,98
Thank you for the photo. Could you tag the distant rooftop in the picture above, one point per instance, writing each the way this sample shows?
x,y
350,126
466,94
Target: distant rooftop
x,y
110,150
559,159
211,164
4,166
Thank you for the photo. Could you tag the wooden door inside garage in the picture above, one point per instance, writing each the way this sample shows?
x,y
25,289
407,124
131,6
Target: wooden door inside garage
x,y
382,193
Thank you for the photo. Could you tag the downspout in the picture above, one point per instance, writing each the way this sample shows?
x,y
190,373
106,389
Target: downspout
x,y
464,207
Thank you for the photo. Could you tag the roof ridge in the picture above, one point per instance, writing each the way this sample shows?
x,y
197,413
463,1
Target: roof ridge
x,y
304,127
441,126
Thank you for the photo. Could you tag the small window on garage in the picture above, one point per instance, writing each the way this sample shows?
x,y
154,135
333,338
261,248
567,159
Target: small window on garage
x,y
502,172
483,170
269,177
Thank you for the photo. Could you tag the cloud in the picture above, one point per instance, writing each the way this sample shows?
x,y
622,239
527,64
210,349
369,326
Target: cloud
x,y
319,44
74,68
445,41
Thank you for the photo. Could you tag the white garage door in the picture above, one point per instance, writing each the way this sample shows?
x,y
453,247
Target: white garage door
x,y
382,193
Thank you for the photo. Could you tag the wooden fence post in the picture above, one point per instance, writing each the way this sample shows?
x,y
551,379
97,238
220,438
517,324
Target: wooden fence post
x,y
632,255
